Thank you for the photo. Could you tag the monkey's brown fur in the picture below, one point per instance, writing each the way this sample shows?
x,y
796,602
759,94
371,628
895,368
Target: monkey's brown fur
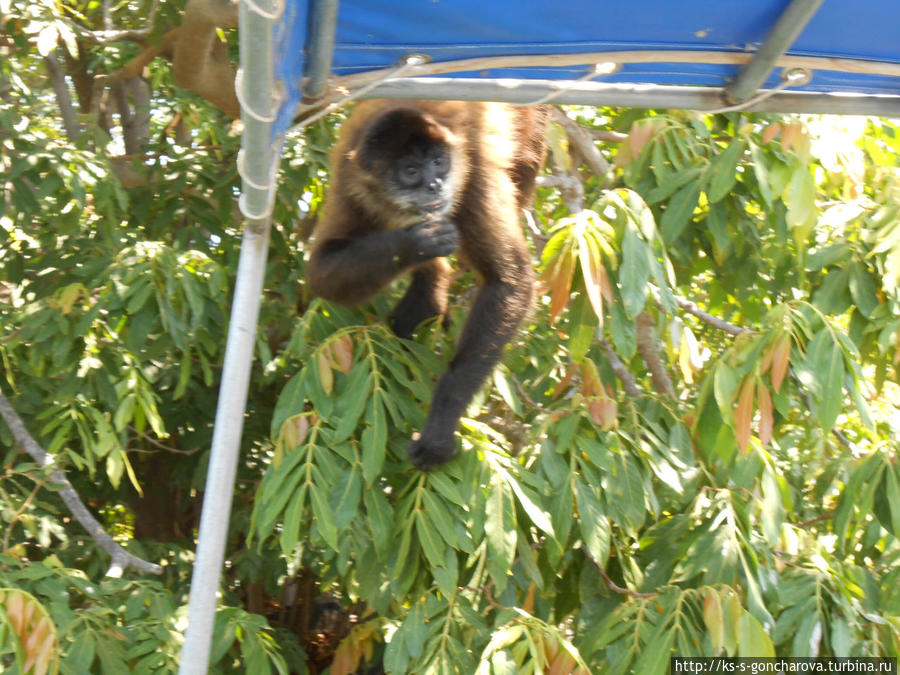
x,y
364,237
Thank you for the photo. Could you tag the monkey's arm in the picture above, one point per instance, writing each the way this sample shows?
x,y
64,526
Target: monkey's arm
x,y
498,309
350,271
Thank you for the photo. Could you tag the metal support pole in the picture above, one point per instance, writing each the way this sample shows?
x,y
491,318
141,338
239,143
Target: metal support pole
x,y
255,87
320,47
523,92
789,25
225,450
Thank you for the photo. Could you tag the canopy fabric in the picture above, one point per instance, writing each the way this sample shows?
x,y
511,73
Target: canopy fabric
x,y
663,42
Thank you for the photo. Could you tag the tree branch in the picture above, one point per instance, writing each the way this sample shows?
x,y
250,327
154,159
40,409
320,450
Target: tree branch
x,y
581,140
121,558
649,351
624,375
709,319
63,97
613,586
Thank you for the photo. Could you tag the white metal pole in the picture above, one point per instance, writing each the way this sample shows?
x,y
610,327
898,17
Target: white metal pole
x,y
225,449
256,163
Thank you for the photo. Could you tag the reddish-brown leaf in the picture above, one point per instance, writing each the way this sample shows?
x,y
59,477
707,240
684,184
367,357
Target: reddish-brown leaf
x,y
590,379
781,356
326,377
342,348
789,135
771,132
743,414
557,280
766,421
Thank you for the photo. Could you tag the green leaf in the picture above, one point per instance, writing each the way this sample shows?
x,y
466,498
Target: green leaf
x,y
672,183
324,517
761,169
825,365
862,288
537,515
800,199
594,526
380,517
290,402
449,490
293,517
582,326
634,272
893,496
347,491
430,540
374,442
354,403
115,467
679,211
754,642
724,170
654,658
725,384
713,617
500,531
439,513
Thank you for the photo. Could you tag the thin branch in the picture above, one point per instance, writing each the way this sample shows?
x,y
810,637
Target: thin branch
x,y
583,143
570,187
649,350
709,319
607,136
520,390
121,558
161,446
624,375
613,586
705,317
109,34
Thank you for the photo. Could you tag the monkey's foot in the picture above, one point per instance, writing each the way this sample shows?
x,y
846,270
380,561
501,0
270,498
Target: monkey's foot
x,y
426,453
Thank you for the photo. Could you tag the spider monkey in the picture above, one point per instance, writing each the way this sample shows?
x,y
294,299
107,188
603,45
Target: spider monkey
x,y
412,182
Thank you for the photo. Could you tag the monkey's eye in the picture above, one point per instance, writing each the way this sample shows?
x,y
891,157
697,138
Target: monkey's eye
x,y
409,174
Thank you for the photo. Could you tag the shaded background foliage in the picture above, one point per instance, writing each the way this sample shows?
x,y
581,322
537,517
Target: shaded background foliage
x,y
691,448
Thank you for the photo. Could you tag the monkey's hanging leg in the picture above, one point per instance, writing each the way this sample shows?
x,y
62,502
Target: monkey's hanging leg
x,y
495,316
425,298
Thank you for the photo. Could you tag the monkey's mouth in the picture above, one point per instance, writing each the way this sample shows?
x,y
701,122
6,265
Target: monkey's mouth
x,y
435,206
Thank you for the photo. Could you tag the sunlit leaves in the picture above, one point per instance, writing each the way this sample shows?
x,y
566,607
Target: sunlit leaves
x,y
586,239
588,242
27,630
599,399
528,645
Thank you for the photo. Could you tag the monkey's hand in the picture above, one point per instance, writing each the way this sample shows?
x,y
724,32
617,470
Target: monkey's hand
x,y
427,453
431,239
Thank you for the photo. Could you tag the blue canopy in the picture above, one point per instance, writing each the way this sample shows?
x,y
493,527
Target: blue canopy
x,y
660,49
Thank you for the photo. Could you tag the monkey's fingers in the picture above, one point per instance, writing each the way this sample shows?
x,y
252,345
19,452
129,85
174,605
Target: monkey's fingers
x,y
426,454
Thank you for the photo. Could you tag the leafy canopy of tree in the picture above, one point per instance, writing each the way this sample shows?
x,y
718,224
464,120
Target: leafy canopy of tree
x,y
691,448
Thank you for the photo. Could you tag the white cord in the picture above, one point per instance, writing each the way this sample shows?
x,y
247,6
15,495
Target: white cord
x,y
274,15
409,61
792,77
598,70
274,104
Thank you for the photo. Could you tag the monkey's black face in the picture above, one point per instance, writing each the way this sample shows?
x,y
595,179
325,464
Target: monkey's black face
x,y
420,179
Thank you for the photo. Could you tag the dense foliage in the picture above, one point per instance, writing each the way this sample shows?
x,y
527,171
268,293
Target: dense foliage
x,y
690,449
